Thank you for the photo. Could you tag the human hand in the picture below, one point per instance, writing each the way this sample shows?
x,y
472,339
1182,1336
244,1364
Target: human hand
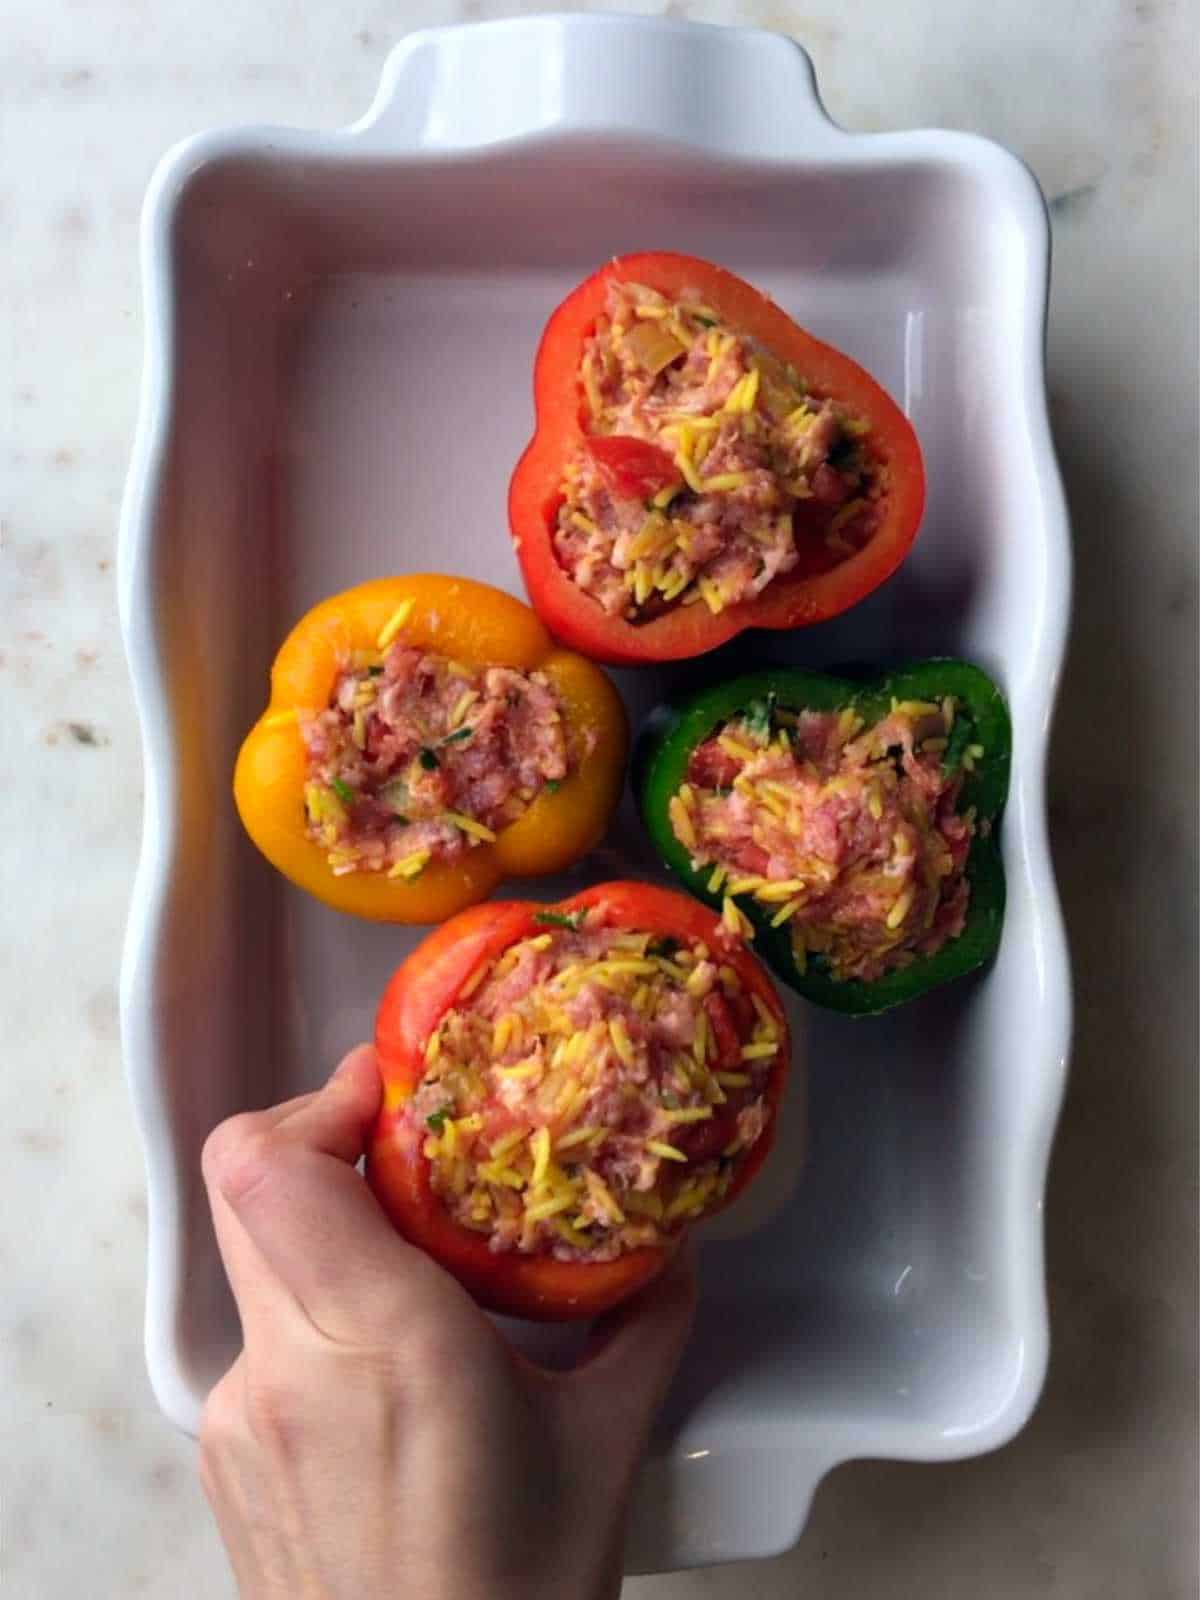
x,y
377,1435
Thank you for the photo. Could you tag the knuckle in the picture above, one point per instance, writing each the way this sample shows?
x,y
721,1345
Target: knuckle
x,y
221,1417
275,1411
237,1155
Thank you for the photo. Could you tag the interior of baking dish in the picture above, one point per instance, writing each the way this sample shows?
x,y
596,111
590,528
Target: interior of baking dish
x,y
338,385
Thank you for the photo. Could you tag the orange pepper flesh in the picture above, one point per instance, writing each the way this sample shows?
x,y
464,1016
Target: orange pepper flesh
x,y
479,626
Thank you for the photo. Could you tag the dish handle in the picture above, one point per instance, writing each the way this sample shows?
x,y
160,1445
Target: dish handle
x,y
734,92
699,1508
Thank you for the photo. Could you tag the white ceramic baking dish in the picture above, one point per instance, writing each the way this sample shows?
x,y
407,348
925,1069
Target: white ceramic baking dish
x,y
340,329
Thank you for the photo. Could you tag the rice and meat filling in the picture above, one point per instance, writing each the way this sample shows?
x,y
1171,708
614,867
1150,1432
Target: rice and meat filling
x,y
419,758
850,835
593,1091
757,474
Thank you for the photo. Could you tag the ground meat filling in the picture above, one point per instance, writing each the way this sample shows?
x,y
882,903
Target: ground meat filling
x,y
593,1091
419,758
850,835
757,473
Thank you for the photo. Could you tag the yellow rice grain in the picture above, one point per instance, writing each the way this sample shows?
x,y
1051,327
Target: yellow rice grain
x,y
507,1143
682,823
745,885
520,1071
779,889
471,826
844,514
766,1017
539,1146
760,1051
580,1135
900,909
712,595
473,981
394,623
462,705
735,920
410,866
602,1196
571,1234
724,482
591,387
622,1043
542,1209
700,1040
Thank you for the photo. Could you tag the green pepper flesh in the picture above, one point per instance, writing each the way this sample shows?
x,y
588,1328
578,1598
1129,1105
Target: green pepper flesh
x,y
673,732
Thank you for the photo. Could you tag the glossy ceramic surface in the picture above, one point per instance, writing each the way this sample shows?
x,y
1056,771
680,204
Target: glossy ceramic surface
x,y
340,336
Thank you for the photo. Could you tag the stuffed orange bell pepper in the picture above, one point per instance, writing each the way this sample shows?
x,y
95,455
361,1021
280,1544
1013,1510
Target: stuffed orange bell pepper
x,y
701,465
568,1087
424,740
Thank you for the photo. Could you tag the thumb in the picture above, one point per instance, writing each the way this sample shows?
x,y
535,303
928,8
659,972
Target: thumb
x,y
612,1395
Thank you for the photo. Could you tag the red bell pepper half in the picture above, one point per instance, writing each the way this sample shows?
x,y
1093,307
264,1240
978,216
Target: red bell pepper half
x,y
420,993
821,585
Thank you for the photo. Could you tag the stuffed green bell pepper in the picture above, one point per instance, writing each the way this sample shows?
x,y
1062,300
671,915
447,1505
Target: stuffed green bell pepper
x,y
848,825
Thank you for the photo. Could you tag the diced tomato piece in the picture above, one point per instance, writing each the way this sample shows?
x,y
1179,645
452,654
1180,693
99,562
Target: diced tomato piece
x,y
704,1141
729,1047
752,858
635,469
711,767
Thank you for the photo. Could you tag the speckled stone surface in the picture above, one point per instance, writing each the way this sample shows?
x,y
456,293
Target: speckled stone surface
x,y
1097,1498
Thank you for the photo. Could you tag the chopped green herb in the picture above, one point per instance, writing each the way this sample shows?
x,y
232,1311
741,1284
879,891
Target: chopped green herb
x,y
343,791
428,759
376,672
437,1119
665,947
458,735
560,919
706,322
553,785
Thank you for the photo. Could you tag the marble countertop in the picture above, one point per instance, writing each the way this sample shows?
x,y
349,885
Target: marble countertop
x,y
1097,1497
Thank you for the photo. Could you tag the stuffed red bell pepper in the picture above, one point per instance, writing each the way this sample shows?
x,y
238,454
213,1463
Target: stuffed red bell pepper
x,y
702,465
567,1087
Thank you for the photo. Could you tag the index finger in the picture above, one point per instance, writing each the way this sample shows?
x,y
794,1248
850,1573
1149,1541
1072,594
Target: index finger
x,y
294,1210
245,1139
